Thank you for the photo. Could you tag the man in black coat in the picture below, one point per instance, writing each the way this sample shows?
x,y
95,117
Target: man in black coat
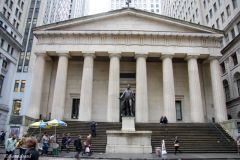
x,y
78,146
93,129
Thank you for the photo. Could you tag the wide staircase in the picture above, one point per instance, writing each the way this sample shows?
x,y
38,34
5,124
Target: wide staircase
x,y
194,137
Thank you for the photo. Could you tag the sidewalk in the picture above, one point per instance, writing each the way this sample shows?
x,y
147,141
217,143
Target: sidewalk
x,y
126,156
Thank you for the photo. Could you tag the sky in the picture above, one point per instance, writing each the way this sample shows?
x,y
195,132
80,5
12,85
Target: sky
x,y
97,6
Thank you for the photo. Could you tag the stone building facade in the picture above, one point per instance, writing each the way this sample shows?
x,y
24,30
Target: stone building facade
x,y
82,66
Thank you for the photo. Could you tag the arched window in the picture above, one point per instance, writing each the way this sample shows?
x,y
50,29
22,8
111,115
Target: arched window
x,y
237,82
226,88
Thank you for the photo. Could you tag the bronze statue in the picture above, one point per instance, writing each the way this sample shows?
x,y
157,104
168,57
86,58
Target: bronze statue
x,y
127,102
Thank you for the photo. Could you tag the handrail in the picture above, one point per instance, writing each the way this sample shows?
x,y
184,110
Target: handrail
x,y
221,132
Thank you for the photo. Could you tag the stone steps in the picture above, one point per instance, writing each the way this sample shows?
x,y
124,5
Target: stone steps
x,y
194,137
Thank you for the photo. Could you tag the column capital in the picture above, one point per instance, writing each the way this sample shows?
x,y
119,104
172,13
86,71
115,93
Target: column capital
x,y
144,55
63,54
89,54
114,54
44,55
167,55
210,58
188,57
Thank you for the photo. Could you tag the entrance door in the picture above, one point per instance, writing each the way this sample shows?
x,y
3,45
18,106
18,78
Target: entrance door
x,y
179,110
75,108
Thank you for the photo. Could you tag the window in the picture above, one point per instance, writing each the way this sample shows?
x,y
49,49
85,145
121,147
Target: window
x,y
217,22
11,4
213,26
6,2
223,67
233,33
228,11
75,108
22,4
16,107
210,13
234,2
238,26
196,12
226,38
2,42
16,12
226,89
8,48
8,15
17,26
19,16
178,110
237,82
4,11
12,51
204,4
234,58
16,85
20,62
222,16
14,22
1,83
26,62
22,88
215,7
19,2
207,19
4,64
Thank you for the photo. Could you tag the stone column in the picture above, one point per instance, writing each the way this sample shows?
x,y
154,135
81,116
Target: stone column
x,y
196,104
168,88
59,93
37,86
219,100
141,106
85,109
113,88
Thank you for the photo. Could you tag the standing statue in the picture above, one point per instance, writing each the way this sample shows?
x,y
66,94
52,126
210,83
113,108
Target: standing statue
x,y
127,102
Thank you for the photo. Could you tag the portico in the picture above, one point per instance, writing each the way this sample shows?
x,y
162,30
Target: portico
x,y
172,62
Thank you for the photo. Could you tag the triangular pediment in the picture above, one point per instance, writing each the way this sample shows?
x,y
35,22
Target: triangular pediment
x,y
127,19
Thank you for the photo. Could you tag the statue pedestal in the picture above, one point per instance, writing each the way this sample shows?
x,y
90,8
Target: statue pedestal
x,y
128,123
128,140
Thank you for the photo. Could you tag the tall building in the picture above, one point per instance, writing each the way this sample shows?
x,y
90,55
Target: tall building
x,y
13,17
147,5
223,15
60,10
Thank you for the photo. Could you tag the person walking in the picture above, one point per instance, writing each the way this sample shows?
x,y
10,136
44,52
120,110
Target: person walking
x,y
93,129
2,137
10,147
78,146
31,152
45,142
69,140
22,147
176,145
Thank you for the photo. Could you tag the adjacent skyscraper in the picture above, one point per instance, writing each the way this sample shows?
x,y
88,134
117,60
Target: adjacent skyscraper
x,y
13,16
147,5
223,15
60,10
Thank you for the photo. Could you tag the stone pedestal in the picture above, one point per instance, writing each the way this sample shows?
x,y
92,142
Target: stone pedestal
x,y
128,140
128,124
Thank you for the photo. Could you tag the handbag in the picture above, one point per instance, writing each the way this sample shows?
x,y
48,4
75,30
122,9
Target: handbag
x,y
176,145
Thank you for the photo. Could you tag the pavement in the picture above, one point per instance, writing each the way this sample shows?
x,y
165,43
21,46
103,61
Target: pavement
x,y
121,156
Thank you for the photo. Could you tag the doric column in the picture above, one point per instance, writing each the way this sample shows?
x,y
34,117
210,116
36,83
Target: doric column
x,y
37,86
113,88
85,109
195,90
168,88
59,93
219,100
141,110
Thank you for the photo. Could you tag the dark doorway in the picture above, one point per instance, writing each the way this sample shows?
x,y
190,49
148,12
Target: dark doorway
x,y
75,108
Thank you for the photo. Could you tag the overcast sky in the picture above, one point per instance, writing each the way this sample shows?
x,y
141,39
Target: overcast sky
x,y
97,6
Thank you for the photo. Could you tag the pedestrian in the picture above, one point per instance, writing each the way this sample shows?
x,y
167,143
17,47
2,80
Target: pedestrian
x,y
22,146
238,144
165,120
78,146
164,150
45,143
176,145
2,137
10,147
64,142
69,140
87,145
93,128
161,120
31,152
